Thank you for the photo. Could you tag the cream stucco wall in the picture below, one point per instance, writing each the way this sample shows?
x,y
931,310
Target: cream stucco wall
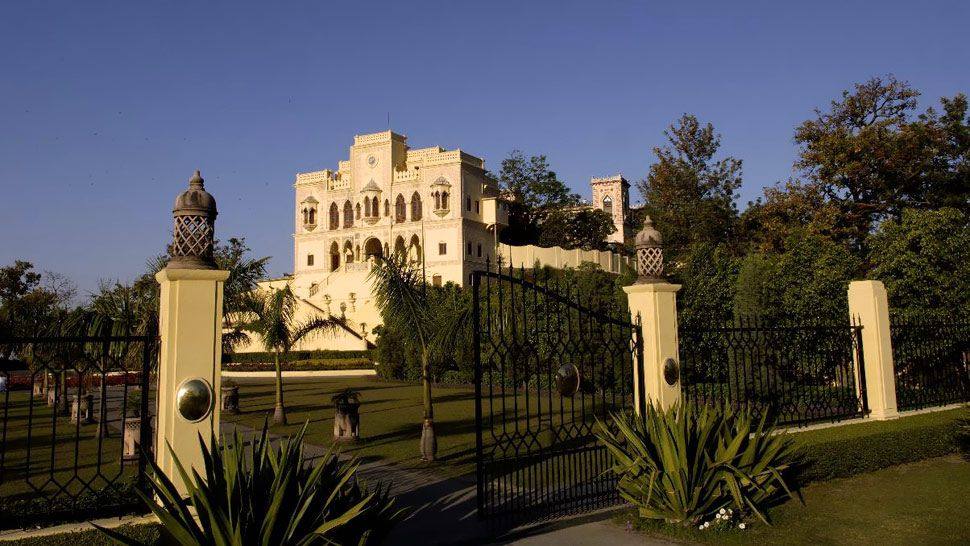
x,y
448,243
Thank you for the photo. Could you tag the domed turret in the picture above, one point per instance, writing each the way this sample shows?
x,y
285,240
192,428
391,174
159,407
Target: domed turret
x,y
194,215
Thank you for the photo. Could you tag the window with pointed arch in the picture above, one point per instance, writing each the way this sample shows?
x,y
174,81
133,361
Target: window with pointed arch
x,y
387,208
334,256
400,209
375,207
348,215
366,207
440,201
334,216
608,205
358,210
415,207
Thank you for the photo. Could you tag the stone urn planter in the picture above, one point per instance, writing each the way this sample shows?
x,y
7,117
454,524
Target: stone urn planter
x,y
82,409
132,429
230,398
346,417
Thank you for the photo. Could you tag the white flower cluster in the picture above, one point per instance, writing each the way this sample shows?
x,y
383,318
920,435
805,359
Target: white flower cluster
x,y
724,519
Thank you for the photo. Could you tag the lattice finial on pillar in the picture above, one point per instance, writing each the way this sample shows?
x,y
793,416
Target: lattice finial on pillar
x,y
650,256
194,231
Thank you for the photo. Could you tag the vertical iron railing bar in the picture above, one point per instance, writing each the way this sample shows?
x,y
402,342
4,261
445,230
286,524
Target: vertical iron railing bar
x,y
144,435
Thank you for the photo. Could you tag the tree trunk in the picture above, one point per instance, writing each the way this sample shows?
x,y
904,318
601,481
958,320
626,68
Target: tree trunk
x,y
279,413
429,444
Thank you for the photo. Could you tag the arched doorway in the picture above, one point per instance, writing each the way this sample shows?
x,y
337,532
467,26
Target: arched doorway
x,y
400,251
414,250
373,249
348,253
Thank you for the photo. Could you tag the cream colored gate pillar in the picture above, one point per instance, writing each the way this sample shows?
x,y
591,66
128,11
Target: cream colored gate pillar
x,y
190,327
869,307
655,302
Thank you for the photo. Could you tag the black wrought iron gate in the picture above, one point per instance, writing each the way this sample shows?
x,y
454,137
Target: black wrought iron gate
x,y
551,359
68,405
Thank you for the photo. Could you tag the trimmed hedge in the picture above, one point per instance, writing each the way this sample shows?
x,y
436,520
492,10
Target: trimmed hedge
x,y
263,357
117,500
304,365
848,450
144,533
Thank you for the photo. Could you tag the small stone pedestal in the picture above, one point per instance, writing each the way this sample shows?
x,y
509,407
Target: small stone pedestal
x,y
346,418
82,409
230,399
132,438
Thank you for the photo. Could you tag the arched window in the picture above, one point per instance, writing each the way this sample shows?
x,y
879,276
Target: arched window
x,y
358,210
313,216
366,207
415,207
334,216
348,215
399,249
608,205
334,256
437,200
306,216
444,200
414,250
348,253
375,211
400,209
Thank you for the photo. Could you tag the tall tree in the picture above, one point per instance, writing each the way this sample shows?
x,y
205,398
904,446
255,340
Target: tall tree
x,y
924,261
534,191
272,316
786,208
689,194
434,321
872,157
577,228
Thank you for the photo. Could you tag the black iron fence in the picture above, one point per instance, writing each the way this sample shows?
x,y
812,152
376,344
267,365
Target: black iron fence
x,y
551,359
72,410
793,373
932,361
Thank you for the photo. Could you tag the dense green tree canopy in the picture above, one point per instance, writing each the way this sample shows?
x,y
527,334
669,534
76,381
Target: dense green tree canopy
x,y
534,191
690,194
924,261
577,228
871,156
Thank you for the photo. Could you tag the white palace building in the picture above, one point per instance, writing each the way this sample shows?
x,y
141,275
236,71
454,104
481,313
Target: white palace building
x,y
440,208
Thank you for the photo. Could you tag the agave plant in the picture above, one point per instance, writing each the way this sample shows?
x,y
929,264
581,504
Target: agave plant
x,y
684,464
266,493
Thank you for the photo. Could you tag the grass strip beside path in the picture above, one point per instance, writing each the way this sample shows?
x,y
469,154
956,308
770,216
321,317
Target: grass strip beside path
x,y
920,503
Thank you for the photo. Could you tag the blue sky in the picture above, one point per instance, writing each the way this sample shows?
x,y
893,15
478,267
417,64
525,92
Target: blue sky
x,y
106,108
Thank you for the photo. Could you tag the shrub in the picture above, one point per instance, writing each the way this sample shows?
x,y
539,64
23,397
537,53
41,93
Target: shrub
x,y
304,365
684,464
963,437
265,493
260,357
848,450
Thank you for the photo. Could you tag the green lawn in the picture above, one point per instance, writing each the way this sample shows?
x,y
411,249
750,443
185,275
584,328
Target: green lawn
x,y
390,418
920,503
40,453
391,415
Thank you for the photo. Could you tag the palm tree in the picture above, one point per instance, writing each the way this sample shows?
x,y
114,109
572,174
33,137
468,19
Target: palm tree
x,y
271,316
401,293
